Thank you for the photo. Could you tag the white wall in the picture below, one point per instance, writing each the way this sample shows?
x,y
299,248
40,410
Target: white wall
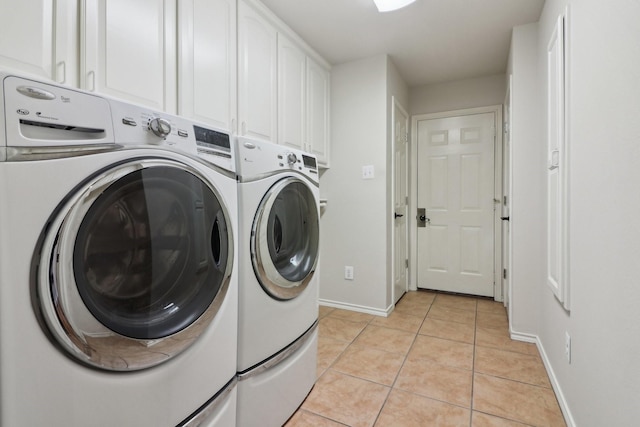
x,y
457,95
354,224
601,385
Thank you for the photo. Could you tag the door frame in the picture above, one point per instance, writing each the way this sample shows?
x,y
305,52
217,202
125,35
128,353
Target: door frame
x,y
508,185
498,293
396,104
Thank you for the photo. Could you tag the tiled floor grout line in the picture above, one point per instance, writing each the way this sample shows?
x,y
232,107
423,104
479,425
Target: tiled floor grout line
x,y
414,327
473,365
404,360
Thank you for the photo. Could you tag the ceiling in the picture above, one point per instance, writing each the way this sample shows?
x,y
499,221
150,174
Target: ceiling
x,y
430,41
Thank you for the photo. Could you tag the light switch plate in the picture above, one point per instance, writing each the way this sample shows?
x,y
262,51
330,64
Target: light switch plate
x,y
367,172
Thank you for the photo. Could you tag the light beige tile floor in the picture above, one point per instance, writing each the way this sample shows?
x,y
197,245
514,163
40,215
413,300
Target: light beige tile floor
x,y
437,360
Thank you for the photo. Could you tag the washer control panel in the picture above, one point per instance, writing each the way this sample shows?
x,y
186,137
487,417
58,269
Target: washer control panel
x,y
135,125
38,114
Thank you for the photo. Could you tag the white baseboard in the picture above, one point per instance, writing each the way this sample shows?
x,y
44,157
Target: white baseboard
x,y
562,401
358,308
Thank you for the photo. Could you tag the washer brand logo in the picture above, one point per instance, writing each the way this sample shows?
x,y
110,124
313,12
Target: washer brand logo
x,y
22,112
65,99
35,92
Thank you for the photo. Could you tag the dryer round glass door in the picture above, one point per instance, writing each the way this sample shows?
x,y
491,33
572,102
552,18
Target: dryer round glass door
x,y
285,236
137,264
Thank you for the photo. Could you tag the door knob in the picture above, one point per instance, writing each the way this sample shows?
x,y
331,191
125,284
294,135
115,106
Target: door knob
x,y
422,217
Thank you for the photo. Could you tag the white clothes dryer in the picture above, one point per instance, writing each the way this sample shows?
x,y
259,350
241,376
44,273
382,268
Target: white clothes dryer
x,y
118,285
278,205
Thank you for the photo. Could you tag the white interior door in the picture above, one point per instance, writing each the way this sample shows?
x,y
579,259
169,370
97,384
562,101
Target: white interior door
x,y
455,242
400,230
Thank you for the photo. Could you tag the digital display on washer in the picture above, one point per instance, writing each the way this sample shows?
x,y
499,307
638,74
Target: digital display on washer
x,y
211,138
309,162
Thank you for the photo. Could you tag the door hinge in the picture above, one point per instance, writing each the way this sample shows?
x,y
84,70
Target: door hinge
x,y
406,200
504,200
504,273
406,263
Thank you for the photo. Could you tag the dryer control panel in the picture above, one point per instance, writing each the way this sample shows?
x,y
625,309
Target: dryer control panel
x,y
257,158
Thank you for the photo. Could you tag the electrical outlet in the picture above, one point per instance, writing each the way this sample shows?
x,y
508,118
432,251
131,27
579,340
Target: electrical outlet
x,y
348,272
567,346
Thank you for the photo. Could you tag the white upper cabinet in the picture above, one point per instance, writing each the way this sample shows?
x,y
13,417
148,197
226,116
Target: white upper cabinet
x,y
317,111
128,50
40,38
230,63
207,62
303,101
291,94
257,79
283,86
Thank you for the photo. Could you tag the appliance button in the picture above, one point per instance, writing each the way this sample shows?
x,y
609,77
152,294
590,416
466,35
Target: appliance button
x,y
183,133
129,122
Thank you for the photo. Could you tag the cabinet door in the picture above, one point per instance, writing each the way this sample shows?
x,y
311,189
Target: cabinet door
x,y
291,94
318,111
129,50
257,50
207,61
39,37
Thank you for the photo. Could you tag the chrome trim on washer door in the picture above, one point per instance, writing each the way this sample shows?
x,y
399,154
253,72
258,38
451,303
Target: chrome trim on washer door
x,y
135,299
285,239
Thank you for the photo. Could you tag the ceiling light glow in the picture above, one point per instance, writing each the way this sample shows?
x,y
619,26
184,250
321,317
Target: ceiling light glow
x,y
389,5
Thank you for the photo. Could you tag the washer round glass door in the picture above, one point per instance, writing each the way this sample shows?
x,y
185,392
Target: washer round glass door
x,y
284,239
137,265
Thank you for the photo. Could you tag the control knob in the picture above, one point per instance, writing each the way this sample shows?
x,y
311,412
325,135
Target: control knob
x,y
160,127
291,159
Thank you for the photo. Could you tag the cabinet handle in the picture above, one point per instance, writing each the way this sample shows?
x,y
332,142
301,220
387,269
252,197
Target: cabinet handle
x,y
91,81
61,72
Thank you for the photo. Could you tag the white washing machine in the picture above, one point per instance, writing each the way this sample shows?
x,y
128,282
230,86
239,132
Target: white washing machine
x,y
118,285
278,205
